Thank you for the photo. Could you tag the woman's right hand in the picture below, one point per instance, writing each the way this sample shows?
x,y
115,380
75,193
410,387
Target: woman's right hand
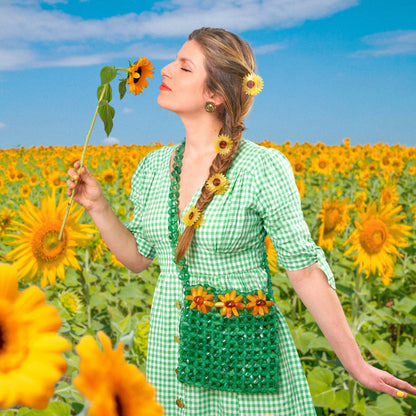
x,y
86,189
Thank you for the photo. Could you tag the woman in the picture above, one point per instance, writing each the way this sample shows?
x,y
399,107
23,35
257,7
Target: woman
x,y
226,195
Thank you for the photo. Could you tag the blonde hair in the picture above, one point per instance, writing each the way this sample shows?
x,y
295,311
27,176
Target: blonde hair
x,y
228,59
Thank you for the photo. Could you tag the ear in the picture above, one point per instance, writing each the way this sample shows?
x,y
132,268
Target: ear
x,y
215,98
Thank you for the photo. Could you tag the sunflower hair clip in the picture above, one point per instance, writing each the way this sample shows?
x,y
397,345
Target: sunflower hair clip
x,y
252,84
223,144
193,218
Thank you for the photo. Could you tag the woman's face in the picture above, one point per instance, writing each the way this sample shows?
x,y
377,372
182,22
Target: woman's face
x,y
183,89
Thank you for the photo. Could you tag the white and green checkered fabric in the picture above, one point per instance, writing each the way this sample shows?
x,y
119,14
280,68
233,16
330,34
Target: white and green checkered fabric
x,y
226,252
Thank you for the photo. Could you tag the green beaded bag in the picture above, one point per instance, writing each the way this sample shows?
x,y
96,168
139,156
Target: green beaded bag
x,y
236,354
228,341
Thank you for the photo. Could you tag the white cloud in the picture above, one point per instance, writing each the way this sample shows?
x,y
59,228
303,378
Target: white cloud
x,y
15,58
2,125
127,110
48,32
110,141
398,42
265,49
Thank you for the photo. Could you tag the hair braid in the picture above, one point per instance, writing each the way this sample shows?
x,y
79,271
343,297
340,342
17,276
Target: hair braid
x,y
228,60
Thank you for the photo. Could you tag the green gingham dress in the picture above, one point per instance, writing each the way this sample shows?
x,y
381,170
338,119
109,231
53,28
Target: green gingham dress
x,y
226,252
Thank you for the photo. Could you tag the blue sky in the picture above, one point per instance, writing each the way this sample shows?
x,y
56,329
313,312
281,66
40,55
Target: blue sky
x,y
331,68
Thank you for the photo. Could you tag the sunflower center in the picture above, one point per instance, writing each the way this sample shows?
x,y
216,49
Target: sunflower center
x,y
298,167
250,83
199,300
223,144
261,302
216,181
46,246
322,164
229,304
373,236
332,218
109,177
119,407
191,215
137,74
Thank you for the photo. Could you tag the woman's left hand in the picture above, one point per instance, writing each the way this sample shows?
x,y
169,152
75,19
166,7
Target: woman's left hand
x,y
379,380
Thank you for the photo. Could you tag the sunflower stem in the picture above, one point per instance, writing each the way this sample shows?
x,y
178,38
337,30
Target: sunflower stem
x,y
81,164
86,286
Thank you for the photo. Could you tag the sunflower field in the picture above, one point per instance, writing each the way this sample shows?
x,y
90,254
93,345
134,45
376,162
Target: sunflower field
x,y
58,297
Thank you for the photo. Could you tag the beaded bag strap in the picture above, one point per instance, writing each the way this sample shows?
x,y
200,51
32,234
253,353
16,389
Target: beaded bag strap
x,y
173,227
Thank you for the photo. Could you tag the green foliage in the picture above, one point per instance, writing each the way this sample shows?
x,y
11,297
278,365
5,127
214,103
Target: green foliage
x,y
382,318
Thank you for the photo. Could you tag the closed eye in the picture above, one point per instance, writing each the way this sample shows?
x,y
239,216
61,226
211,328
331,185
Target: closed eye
x,y
186,70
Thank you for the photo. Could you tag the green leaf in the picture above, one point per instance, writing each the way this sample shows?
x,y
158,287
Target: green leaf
x,y
131,291
89,277
122,88
405,305
106,113
107,74
320,380
382,351
108,95
386,406
342,399
320,343
53,409
303,339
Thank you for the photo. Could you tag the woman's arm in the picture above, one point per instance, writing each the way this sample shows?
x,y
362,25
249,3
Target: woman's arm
x,y
312,286
118,238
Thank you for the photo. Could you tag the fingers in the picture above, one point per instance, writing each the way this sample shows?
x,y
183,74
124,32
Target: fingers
x,y
397,388
74,175
77,164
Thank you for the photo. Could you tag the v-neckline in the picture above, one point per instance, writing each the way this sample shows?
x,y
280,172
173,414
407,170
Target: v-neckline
x,y
197,192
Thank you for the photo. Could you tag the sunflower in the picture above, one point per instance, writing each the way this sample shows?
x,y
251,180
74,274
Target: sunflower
x,y
31,359
25,190
230,304
376,238
252,84
298,166
389,194
223,144
411,171
111,385
33,180
138,73
271,254
200,299
109,176
6,218
322,165
70,301
334,216
259,303
217,184
55,179
193,218
38,250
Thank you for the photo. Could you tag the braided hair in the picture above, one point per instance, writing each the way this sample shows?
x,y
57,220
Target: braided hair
x,y
228,59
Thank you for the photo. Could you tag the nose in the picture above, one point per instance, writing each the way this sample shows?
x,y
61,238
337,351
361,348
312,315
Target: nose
x,y
167,70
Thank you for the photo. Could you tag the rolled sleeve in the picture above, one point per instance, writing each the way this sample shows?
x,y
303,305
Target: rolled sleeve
x,y
280,206
141,181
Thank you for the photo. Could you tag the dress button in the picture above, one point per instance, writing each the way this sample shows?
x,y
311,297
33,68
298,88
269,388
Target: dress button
x,y
176,371
179,403
178,305
176,338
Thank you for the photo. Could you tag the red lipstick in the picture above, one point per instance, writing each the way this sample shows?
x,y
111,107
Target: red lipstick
x,y
164,87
